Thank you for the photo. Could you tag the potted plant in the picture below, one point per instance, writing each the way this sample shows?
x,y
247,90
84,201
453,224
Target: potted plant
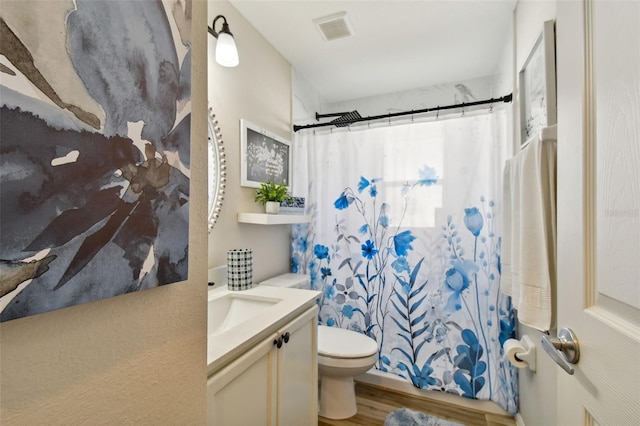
x,y
271,194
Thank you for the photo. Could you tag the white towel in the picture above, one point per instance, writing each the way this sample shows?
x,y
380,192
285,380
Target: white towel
x,y
529,232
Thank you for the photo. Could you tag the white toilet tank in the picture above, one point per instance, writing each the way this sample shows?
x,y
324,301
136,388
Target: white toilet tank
x,y
290,281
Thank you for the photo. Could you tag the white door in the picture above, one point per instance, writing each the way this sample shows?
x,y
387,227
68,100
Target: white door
x,y
598,66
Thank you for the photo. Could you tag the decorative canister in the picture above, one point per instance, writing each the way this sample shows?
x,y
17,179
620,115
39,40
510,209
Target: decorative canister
x,y
239,269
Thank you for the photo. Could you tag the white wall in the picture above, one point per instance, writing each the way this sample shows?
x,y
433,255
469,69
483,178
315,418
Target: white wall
x,y
139,358
419,98
538,394
306,101
258,90
503,81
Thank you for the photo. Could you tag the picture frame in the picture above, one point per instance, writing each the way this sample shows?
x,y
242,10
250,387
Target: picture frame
x,y
537,85
264,157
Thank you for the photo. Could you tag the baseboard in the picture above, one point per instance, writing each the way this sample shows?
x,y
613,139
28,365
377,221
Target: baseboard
x,y
519,420
378,378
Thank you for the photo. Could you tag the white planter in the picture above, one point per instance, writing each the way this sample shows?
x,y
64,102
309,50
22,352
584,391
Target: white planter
x,y
272,207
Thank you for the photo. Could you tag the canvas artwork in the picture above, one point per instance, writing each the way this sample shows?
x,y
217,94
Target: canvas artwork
x,y
95,120
265,157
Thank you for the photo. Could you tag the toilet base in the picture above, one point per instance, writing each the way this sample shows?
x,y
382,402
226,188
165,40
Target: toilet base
x,y
337,397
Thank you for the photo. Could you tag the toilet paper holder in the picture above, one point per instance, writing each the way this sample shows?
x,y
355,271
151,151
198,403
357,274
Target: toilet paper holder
x,y
526,356
530,355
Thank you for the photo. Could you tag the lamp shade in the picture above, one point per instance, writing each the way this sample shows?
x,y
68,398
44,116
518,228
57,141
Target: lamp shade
x,y
226,51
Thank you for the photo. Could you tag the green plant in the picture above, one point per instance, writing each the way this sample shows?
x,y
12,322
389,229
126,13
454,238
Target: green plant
x,y
270,191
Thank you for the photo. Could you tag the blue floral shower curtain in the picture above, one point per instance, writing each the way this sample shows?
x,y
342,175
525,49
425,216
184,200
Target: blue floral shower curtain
x,y
404,245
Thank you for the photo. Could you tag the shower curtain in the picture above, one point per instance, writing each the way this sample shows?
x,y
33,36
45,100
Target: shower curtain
x,y
404,245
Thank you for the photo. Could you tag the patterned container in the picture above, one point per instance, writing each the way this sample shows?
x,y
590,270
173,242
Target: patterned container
x,y
239,269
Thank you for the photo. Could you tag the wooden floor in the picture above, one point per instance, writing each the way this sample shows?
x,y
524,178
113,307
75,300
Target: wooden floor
x,y
374,403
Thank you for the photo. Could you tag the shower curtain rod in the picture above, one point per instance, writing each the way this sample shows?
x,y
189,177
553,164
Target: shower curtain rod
x,y
505,99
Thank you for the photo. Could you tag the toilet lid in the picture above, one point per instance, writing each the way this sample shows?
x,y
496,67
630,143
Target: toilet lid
x,y
340,343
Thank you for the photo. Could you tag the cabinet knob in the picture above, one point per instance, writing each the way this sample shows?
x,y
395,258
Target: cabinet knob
x,y
278,342
286,337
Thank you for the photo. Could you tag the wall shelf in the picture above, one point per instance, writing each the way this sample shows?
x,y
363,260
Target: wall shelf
x,y
272,219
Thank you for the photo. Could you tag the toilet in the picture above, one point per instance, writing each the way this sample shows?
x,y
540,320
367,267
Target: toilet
x,y
342,354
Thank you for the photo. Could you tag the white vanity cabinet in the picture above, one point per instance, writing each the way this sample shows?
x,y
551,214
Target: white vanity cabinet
x,y
297,371
270,385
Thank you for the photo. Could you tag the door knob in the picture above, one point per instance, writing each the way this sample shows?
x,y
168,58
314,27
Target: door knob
x,y
564,349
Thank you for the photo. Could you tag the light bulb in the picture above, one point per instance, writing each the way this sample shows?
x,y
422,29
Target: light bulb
x,y
226,51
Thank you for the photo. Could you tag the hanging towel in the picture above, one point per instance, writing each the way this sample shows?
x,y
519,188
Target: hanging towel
x,y
529,231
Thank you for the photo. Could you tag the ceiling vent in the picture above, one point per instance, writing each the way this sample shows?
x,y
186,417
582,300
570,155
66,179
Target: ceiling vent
x,y
335,26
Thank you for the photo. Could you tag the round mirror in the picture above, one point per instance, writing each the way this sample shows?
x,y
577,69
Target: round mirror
x,y
217,170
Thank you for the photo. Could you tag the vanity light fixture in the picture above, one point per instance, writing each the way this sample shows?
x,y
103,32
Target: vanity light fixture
x,y
226,51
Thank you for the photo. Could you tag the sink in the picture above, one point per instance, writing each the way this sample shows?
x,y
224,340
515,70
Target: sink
x,y
228,311
239,320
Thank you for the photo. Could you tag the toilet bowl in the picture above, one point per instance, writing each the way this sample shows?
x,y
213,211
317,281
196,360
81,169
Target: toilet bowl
x,y
342,354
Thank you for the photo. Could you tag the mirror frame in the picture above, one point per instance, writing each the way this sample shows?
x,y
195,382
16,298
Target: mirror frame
x,y
218,160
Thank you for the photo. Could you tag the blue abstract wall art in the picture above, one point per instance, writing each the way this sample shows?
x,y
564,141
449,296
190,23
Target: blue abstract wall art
x,y
95,119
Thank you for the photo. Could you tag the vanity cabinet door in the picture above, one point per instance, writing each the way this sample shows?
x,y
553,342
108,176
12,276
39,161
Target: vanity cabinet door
x,y
244,393
298,371
270,385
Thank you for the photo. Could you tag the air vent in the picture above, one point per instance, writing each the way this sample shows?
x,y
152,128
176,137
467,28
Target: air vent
x,y
335,26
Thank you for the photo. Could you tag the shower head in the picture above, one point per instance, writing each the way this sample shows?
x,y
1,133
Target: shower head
x,y
346,119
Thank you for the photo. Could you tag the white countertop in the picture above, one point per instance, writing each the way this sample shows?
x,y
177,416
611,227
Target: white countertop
x,y
227,346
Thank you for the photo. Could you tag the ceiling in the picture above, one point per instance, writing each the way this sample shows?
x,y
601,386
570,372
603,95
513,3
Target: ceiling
x,y
398,45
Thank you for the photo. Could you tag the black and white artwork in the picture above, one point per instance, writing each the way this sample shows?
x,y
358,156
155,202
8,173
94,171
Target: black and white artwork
x,y
265,157
95,123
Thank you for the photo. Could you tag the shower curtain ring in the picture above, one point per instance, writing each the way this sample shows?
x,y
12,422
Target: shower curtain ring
x,y
438,113
490,107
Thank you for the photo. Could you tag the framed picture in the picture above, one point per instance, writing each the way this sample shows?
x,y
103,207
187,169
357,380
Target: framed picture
x,y
264,157
537,83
